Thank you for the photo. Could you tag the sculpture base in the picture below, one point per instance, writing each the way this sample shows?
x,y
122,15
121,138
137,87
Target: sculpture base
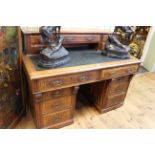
x,y
53,58
116,54
50,63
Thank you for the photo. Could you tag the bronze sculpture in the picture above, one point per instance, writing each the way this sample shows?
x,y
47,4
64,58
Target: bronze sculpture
x,y
114,48
55,54
124,33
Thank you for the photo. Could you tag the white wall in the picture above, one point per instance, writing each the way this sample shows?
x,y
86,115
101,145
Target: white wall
x,y
148,59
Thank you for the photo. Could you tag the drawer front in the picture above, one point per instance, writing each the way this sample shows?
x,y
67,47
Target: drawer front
x,y
56,118
118,89
112,101
86,77
119,85
34,39
54,83
68,39
56,94
121,80
118,72
64,81
56,105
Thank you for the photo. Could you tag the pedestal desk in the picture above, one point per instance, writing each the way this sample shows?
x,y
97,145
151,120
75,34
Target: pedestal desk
x,y
52,92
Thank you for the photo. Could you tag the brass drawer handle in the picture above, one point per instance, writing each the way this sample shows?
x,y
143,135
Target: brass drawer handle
x,y
118,79
56,105
56,94
57,82
113,73
69,38
84,78
119,89
38,98
90,38
56,119
130,71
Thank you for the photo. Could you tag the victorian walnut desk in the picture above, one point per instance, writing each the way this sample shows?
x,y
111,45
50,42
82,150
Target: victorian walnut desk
x,y
52,92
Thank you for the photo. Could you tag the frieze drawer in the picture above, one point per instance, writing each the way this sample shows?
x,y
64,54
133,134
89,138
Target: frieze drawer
x,y
86,77
53,83
118,72
57,118
65,81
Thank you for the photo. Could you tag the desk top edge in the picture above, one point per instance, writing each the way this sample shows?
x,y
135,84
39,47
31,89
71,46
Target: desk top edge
x,y
33,74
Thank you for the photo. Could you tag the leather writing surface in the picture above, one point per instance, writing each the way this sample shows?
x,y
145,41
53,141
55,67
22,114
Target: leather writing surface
x,y
79,57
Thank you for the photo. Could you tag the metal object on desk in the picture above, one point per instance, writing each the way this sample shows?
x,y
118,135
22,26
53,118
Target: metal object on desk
x,y
124,34
55,54
115,49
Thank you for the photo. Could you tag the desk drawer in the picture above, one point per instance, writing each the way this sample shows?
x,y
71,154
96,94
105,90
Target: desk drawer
x,y
64,81
68,39
118,89
119,85
112,101
86,77
54,83
57,118
33,43
56,94
121,80
118,72
56,105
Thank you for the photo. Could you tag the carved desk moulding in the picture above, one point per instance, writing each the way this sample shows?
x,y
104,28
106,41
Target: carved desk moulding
x,y
55,54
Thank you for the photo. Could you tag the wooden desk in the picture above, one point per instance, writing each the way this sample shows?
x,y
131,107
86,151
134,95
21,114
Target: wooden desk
x,y
52,92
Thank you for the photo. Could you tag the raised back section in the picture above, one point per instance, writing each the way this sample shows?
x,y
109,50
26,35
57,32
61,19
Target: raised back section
x,y
72,38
